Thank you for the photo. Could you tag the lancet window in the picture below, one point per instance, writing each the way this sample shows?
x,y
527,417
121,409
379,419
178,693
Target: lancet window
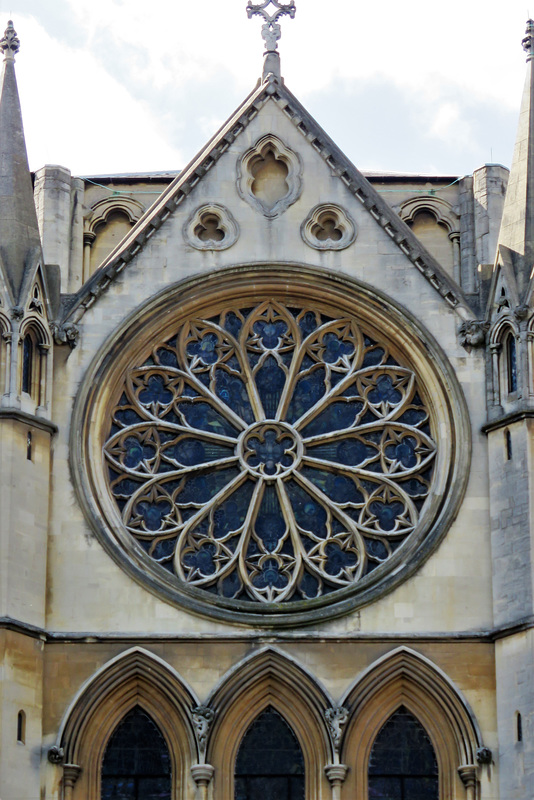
x,y
136,764
270,763
403,763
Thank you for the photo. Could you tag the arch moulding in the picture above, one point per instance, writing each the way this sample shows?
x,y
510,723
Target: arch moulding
x,y
135,678
269,678
405,678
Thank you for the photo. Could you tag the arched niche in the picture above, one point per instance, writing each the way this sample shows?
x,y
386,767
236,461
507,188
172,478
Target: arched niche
x,y
505,345
109,222
437,226
134,679
406,679
269,680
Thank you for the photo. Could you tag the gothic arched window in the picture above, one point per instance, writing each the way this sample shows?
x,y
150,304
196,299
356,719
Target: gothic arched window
x,y
28,359
136,764
510,351
269,763
403,763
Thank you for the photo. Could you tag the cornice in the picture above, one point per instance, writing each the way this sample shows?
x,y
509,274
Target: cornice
x,y
340,165
508,419
29,419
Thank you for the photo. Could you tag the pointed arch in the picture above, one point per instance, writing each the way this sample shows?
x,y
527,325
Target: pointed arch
x,y
135,678
406,678
269,678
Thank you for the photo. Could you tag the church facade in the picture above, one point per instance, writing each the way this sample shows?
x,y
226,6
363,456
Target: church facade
x,y
266,466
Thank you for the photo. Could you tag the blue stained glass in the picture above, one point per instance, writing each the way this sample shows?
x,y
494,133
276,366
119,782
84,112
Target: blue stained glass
x,y
336,348
310,514
125,488
385,392
203,417
270,575
308,323
231,514
270,524
127,416
201,488
164,549
153,513
415,488
338,487
231,585
155,392
413,416
376,549
308,390
167,358
270,380
270,452
135,452
270,332
336,417
233,324
202,559
338,559
404,452
353,452
191,452
232,390
309,585
373,357
205,348
386,513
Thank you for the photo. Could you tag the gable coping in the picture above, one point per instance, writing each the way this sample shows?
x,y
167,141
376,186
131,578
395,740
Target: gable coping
x,y
184,183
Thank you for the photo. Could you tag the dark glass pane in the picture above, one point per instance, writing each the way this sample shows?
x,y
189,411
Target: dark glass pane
x,y
403,764
136,763
512,363
270,380
27,364
269,764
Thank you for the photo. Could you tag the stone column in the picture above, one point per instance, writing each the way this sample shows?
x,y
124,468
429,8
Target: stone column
x,y
202,775
468,774
336,774
88,239
71,773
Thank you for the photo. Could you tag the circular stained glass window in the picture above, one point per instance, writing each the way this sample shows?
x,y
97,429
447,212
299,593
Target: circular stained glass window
x,y
270,455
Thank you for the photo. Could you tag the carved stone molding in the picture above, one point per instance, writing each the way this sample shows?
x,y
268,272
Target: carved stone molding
x,y
203,717
468,775
473,333
328,227
269,176
211,227
336,719
56,755
65,334
484,755
202,774
336,773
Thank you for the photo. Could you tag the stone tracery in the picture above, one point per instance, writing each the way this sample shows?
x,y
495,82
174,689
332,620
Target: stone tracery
x,y
270,453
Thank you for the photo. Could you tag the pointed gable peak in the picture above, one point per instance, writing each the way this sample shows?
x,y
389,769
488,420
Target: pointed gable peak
x,y
271,31
19,232
516,237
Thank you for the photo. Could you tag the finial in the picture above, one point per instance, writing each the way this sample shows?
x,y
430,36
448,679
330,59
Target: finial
x,y
10,43
270,30
528,41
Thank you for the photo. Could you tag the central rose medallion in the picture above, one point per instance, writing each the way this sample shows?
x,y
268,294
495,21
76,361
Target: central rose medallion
x,y
270,449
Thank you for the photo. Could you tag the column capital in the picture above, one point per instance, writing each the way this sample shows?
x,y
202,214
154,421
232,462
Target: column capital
x,y
202,774
336,773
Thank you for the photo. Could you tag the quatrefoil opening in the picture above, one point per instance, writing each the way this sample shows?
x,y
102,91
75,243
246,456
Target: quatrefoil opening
x,y
211,227
269,176
328,227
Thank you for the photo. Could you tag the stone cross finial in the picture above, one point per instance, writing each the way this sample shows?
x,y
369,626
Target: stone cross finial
x,y
270,30
10,43
528,41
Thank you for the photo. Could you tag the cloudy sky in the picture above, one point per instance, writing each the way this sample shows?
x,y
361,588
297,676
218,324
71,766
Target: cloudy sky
x,y
113,86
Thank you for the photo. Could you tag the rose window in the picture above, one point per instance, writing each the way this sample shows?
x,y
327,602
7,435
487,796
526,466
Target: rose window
x,y
270,453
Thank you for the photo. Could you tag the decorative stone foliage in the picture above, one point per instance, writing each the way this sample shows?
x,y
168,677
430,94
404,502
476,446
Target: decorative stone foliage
x,y
328,227
266,449
211,227
269,176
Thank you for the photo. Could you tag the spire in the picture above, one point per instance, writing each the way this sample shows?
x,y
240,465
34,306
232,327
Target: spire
x,y
516,237
19,232
271,31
